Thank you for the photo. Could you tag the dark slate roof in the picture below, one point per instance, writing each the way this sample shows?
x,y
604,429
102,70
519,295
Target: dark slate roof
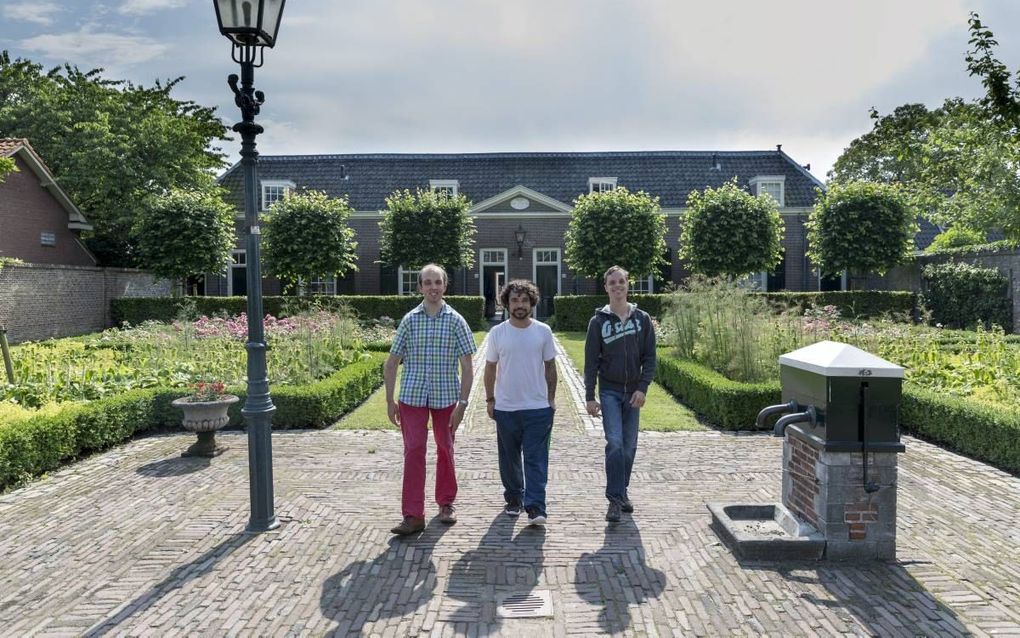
x,y
671,175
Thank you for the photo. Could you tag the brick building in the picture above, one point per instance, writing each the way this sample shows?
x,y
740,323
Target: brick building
x,y
38,222
522,204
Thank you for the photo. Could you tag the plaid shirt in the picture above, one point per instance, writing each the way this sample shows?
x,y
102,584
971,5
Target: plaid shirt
x,y
431,348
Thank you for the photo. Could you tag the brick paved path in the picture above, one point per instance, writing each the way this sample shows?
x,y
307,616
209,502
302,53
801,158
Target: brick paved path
x,y
138,541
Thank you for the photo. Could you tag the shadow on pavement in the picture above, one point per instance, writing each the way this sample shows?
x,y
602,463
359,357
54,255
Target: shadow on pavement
x,y
502,563
174,466
880,596
179,577
397,582
617,574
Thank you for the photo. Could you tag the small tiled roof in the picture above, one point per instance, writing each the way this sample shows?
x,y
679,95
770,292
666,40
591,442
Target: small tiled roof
x,y
367,179
10,145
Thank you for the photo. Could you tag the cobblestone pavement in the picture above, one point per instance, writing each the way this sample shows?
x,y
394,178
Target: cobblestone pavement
x,y
138,541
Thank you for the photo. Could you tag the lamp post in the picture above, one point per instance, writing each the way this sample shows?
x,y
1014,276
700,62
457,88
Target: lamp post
x,y
252,25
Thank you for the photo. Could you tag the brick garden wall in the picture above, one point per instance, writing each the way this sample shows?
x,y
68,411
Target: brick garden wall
x,y
41,301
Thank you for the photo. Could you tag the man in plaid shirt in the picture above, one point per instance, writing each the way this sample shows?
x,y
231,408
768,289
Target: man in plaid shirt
x,y
430,341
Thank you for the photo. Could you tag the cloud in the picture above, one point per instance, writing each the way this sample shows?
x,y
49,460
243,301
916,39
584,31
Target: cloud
x,y
85,48
36,12
142,7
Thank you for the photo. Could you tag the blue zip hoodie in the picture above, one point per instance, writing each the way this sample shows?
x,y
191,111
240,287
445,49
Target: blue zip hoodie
x,y
621,353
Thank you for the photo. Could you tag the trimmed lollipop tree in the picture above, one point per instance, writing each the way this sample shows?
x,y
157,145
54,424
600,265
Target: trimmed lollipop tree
x,y
184,232
861,227
427,227
616,228
306,236
727,231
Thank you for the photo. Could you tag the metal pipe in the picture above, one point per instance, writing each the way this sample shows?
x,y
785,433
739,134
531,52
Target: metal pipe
x,y
868,487
792,406
8,364
810,415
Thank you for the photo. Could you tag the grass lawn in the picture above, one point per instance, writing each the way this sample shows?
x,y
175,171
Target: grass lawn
x,y
371,415
661,413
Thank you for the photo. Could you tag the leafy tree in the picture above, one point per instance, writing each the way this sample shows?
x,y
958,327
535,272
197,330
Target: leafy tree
x,y
892,151
110,143
728,231
1001,99
185,232
615,227
307,236
956,237
427,227
861,227
7,166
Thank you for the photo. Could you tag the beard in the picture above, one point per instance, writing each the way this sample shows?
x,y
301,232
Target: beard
x,y
520,313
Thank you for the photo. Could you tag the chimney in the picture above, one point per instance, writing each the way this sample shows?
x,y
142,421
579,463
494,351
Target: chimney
x,y
779,148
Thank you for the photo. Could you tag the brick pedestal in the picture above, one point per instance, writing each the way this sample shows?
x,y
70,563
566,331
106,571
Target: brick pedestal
x,y
826,489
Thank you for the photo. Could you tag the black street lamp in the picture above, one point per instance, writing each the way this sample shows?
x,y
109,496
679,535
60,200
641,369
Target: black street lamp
x,y
252,25
519,236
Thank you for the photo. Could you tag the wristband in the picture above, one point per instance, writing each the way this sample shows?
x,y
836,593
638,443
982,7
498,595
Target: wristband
x,y
491,400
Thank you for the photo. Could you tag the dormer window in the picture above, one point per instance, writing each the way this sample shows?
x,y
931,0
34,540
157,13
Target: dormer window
x,y
601,184
771,185
274,190
448,187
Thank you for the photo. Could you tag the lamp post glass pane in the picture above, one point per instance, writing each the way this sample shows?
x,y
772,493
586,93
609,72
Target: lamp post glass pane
x,y
251,22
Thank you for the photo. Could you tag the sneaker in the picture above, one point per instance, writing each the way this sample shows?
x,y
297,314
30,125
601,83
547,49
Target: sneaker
x,y
536,518
512,509
447,514
613,513
410,525
626,505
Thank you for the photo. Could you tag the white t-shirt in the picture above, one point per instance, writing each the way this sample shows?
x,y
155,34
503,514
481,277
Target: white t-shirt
x,y
520,355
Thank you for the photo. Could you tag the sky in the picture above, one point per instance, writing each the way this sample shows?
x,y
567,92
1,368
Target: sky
x,y
449,76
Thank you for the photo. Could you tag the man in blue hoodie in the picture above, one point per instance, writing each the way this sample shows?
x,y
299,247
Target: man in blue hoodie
x,y
620,352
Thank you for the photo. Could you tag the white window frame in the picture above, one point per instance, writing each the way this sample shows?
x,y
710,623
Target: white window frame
x,y
647,281
758,182
234,263
601,183
401,271
482,263
450,185
287,186
326,285
535,263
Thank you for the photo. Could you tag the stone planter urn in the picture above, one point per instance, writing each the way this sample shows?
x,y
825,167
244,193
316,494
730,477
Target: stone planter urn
x,y
204,418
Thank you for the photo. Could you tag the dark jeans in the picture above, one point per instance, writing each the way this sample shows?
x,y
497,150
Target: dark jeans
x,y
620,422
524,433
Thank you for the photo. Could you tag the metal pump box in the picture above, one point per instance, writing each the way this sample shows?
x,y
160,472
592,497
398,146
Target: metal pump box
x,y
857,396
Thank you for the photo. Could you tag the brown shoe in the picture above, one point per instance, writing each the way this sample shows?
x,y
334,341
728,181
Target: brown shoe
x,y
447,514
410,525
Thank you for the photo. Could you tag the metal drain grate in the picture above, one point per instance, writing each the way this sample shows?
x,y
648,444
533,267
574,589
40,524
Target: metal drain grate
x,y
534,604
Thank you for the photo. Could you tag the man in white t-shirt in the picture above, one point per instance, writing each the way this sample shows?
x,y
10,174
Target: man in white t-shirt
x,y
520,394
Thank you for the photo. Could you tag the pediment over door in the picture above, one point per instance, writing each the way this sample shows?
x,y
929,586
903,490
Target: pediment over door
x,y
520,199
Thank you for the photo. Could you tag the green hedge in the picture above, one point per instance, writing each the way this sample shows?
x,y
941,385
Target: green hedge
x,y
39,444
961,295
988,434
135,310
574,311
729,404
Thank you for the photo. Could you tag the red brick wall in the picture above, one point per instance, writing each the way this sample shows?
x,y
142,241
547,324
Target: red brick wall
x,y
26,210
801,466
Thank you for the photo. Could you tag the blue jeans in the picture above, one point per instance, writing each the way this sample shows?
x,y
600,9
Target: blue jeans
x,y
524,433
620,422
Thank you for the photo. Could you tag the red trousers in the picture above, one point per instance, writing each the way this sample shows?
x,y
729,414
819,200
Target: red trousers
x,y
414,426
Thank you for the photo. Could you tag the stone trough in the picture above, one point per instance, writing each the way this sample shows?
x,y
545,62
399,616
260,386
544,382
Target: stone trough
x,y
766,532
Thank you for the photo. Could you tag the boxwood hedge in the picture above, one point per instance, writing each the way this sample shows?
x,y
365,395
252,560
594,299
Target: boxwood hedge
x,y
135,310
42,443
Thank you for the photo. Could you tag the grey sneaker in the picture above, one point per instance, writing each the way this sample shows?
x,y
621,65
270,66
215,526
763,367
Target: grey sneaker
x,y
512,509
613,513
536,518
626,505
448,514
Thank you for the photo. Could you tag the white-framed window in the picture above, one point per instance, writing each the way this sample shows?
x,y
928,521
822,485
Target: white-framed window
x,y
641,285
407,281
771,185
47,239
448,187
601,184
322,286
274,190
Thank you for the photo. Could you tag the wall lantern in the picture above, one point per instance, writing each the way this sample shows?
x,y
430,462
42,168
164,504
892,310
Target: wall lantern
x,y
519,236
